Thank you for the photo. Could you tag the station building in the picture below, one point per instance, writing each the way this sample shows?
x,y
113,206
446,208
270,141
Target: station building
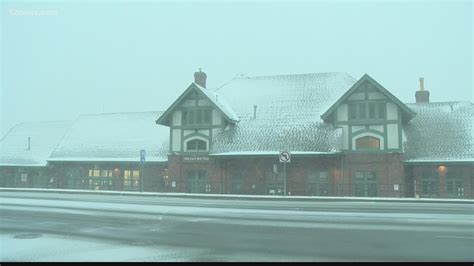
x,y
97,152
346,137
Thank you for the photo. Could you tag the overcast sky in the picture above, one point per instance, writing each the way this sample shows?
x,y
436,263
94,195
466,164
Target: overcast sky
x,y
71,58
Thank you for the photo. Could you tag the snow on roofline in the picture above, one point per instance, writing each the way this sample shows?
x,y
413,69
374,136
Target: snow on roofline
x,y
470,160
23,165
241,153
100,159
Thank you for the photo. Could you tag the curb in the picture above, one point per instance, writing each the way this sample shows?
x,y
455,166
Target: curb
x,y
239,197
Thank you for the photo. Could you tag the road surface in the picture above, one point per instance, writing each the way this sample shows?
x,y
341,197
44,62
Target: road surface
x,y
36,226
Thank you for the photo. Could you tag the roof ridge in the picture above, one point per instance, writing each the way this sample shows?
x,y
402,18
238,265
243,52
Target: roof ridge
x,y
116,113
73,122
443,102
10,130
298,74
32,122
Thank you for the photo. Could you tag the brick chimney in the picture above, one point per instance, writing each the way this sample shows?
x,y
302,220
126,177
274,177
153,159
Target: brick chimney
x,y
200,78
422,96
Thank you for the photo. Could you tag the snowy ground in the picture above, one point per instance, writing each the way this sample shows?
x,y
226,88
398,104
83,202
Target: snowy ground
x,y
233,196
84,227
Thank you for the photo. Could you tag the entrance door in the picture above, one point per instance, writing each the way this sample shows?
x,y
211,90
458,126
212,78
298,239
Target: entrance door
x,y
365,184
455,185
237,182
318,184
197,181
430,185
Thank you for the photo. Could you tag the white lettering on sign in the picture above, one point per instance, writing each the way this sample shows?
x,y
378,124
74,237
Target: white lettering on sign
x,y
195,158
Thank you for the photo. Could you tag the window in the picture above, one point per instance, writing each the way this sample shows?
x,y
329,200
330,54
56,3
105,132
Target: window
x,y
136,177
196,145
371,110
196,117
24,177
362,111
352,111
126,177
381,111
366,110
368,143
131,178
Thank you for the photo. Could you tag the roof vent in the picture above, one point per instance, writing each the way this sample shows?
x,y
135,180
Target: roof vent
x,y
29,144
254,112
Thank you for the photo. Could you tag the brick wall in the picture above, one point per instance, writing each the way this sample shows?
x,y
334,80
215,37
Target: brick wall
x,y
388,167
415,173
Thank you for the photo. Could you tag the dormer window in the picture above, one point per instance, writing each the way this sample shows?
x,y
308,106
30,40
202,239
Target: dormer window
x,y
366,110
191,117
196,145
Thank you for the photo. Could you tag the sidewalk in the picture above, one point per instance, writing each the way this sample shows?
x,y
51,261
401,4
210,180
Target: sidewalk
x,y
241,197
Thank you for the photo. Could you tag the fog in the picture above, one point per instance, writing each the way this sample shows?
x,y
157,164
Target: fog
x,y
61,59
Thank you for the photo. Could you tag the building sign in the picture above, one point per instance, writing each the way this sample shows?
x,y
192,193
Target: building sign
x,y
195,159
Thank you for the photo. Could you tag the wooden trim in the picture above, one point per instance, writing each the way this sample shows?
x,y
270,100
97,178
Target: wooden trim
x,y
196,127
368,130
377,85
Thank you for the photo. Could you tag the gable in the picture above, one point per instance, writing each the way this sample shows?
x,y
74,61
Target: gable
x,y
197,93
368,87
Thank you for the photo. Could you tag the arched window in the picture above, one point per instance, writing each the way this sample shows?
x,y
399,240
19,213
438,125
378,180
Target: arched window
x,y
196,145
368,143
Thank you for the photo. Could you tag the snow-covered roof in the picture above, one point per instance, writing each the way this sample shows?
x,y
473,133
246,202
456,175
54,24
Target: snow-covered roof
x,y
287,115
44,136
114,137
219,102
440,132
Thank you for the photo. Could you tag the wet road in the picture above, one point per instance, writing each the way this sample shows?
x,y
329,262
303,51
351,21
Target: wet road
x,y
83,227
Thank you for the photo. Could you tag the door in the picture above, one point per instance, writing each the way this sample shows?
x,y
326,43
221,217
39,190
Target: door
x,y
237,182
197,181
365,184
430,183
455,185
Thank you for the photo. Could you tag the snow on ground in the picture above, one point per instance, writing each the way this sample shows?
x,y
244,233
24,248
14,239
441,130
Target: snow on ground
x,y
28,247
126,209
230,196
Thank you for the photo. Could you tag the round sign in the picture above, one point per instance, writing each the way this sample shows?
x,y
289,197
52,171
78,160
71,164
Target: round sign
x,y
285,157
